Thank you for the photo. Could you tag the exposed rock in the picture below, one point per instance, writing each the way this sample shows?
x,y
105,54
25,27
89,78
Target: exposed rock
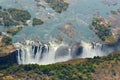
x,y
76,50
115,20
68,29
61,52
5,47
10,58
66,1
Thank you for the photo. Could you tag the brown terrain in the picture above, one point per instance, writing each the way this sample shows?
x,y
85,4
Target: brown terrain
x,y
66,1
5,49
108,70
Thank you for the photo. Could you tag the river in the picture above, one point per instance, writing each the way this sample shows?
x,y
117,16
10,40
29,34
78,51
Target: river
x,y
79,14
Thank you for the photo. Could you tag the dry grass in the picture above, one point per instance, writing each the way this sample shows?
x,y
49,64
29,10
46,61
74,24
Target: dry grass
x,y
66,1
5,50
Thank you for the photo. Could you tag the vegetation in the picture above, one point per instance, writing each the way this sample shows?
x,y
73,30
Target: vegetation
x,y
13,31
114,12
102,28
0,33
19,15
13,17
81,69
58,5
0,7
37,21
5,19
6,46
118,10
7,40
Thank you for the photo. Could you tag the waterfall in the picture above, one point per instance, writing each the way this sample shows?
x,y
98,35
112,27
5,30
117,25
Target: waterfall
x,y
92,49
36,52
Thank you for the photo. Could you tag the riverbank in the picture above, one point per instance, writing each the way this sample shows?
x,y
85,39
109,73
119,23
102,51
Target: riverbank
x,y
87,69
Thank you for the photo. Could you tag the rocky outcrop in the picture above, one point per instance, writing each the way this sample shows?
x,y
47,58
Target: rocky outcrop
x,y
111,47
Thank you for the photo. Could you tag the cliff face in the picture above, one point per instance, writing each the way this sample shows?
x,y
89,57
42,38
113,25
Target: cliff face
x,y
9,59
97,68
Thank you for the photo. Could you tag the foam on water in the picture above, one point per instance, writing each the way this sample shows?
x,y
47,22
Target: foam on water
x,y
31,52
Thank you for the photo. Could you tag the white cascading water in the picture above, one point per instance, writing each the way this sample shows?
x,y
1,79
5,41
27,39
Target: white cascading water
x,y
35,52
90,51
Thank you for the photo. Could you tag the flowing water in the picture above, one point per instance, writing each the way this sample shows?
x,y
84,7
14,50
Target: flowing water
x,y
40,53
36,52
79,14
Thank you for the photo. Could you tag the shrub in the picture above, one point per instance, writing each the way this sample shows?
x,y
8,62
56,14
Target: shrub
x,y
7,40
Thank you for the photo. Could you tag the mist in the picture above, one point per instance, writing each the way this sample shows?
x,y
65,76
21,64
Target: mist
x,y
36,52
